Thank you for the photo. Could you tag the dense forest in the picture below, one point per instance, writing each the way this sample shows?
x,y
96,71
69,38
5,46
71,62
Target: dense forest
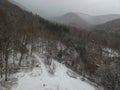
x,y
85,52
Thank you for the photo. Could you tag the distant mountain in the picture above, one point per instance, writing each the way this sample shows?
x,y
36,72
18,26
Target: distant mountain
x,y
71,19
84,20
100,19
104,18
113,26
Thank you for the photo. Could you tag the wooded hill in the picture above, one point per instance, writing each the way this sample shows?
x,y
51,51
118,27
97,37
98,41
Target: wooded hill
x,y
84,51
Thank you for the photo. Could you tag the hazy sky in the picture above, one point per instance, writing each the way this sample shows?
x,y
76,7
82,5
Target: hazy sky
x,y
52,8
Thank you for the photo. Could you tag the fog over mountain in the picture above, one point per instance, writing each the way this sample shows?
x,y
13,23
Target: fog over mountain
x,y
85,21
71,19
51,8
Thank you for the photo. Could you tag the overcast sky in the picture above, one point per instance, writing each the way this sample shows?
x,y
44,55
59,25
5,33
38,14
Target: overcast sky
x,y
51,8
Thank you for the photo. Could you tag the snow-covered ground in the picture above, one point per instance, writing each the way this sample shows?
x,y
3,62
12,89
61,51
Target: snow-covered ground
x,y
40,79
110,52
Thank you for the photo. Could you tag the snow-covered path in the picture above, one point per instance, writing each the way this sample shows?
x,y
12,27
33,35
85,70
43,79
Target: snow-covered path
x,y
40,79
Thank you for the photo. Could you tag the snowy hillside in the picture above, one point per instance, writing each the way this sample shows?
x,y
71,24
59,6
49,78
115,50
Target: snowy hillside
x,y
40,79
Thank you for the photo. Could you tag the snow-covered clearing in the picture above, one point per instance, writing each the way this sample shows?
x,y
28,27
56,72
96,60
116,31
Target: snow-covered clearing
x,y
40,79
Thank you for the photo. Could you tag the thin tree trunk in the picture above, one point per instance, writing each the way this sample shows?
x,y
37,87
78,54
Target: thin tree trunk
x,y
13,57
6,67
1,73
20,60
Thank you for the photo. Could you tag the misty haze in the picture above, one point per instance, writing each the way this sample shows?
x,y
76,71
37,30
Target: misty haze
x,y
59,44
52,8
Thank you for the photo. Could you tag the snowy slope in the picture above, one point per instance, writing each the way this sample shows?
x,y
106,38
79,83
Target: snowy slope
x,y
40,79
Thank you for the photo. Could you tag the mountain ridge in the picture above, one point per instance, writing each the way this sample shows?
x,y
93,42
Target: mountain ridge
x,y
113,26
71,19
84,20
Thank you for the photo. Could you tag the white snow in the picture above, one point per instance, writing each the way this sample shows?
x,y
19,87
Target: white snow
x,y
110,52
41,79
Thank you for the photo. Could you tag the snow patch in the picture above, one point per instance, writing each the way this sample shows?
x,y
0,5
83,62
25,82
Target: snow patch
x,y
110,53
40,79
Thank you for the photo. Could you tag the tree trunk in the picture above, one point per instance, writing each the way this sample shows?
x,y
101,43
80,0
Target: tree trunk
x,y
20,59
1,74
13,57
6,66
